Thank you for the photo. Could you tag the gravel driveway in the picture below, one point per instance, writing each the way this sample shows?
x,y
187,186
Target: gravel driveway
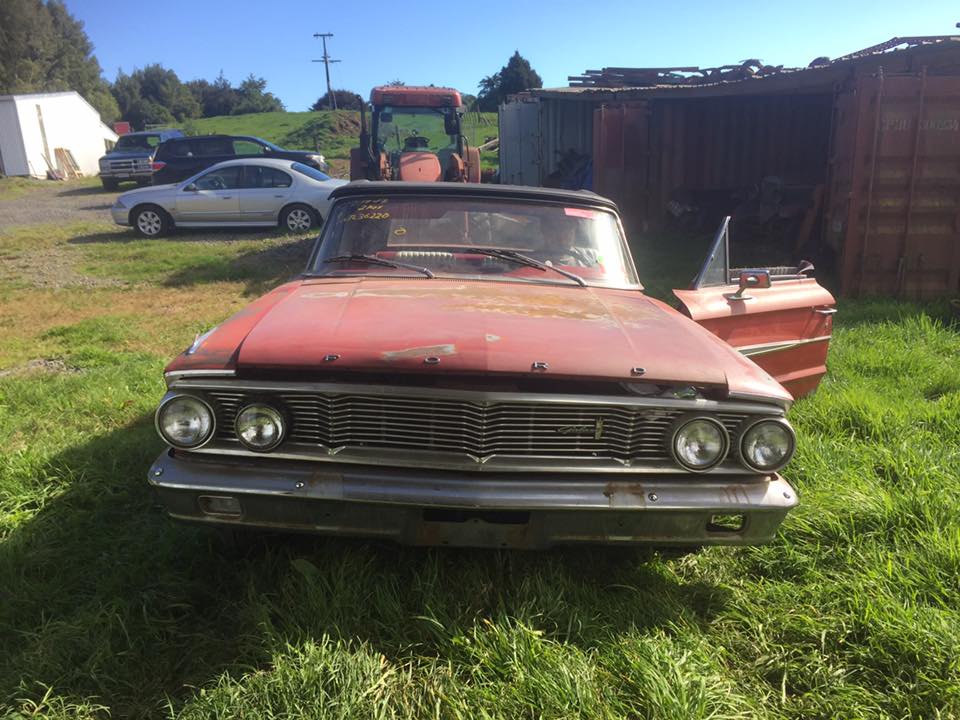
x,y
61,202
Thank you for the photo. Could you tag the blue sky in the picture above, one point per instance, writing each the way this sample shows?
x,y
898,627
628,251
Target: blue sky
x,y
456,44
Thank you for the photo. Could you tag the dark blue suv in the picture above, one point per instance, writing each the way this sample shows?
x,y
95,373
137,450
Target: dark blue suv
x,y
180,158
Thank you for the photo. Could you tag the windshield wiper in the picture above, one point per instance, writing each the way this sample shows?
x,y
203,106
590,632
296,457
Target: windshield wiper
x,y
522,259
374,260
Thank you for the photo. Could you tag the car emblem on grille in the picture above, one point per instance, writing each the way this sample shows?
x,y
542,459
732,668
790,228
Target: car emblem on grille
x,y
596,429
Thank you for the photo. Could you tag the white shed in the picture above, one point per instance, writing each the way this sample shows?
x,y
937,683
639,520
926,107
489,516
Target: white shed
x,y
33,126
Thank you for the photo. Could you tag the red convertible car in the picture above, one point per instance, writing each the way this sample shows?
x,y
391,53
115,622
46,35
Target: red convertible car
x,y
478,365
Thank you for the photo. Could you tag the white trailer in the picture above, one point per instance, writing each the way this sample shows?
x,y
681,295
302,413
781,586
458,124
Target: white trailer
x,y
33,126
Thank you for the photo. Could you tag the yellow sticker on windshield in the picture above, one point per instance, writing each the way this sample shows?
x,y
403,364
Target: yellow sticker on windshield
x,y
375,204
370,210
368,216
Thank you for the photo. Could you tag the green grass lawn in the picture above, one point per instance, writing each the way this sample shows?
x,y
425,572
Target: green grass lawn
x,y
11,187
107,608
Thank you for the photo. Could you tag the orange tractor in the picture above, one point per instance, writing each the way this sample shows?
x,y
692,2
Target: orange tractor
x,y
415,135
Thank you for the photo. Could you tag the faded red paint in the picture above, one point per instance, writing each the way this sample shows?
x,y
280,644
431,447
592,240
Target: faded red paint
x,y
378,324
408,96
219,350
792,311
420,167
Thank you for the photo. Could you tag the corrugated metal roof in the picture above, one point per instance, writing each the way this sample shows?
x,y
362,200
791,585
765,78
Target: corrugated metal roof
x,y
778,79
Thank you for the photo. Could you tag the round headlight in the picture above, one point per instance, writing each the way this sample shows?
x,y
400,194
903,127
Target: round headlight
x,y
767,445
701,443
185,421
260,427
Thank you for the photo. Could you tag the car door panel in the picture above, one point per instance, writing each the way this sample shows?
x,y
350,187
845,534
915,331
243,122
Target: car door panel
x,y
210,204
262,197
261,204
785,328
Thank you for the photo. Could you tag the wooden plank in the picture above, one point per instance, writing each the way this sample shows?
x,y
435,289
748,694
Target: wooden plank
x,y
66,163
43,136
73,163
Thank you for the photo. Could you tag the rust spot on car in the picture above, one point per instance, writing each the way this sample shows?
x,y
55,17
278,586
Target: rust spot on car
x,y
540,305
736,495
625,494
331,482
419,352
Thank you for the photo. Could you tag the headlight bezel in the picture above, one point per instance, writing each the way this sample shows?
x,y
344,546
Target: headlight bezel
x,y
280,420
685,420
165,403
751,424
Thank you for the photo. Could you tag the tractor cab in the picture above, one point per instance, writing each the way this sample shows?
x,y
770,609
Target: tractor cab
x,y
414,135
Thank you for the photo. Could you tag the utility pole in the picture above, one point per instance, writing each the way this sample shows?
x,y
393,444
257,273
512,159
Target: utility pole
x,y
326,60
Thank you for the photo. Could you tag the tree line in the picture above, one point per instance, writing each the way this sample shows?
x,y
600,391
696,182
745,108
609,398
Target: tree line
x,y
155,96
43,48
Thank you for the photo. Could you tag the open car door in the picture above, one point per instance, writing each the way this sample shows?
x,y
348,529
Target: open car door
x,y
778,317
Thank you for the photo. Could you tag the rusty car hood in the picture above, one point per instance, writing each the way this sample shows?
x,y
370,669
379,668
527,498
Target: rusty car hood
x,y
477,327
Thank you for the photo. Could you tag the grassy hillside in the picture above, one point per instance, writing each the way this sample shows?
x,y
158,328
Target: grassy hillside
x,y
331,132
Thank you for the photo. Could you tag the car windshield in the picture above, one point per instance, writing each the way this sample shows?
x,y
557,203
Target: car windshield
x,y
268,144
137,142
479,238
309,171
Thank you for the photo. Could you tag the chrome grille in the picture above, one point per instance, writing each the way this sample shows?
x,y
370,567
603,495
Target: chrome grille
x,y
480,430
130,165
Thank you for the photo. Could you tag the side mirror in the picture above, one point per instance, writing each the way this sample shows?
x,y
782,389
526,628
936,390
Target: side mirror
x,y
450,124
750,280
192,187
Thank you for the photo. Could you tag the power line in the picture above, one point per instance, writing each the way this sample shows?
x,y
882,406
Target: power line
x,y
326,60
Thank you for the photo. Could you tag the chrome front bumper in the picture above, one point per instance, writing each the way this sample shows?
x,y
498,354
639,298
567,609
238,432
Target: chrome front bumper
x,y
426,507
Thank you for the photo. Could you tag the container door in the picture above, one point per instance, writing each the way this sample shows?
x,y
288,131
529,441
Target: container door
x,y
621,158
896,186
520,143
778,317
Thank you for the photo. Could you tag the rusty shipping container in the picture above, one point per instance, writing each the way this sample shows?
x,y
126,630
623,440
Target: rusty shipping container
x,y
645,151
894,193
864,152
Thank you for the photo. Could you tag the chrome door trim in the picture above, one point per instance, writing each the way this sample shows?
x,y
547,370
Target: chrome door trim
x,y
772,347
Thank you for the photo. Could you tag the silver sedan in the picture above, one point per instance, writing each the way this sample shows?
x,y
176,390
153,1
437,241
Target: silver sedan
x,y
236,193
